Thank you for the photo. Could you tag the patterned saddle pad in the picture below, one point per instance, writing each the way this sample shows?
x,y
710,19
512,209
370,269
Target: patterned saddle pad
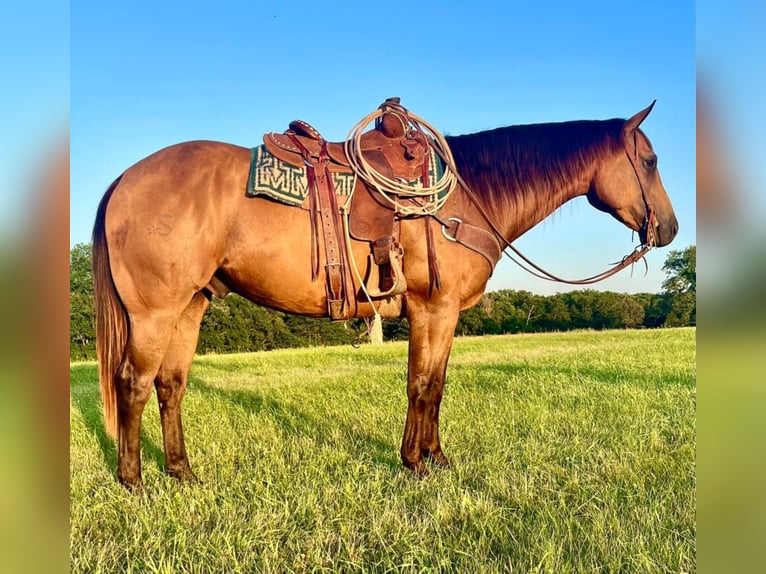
x,y
284,182
288,184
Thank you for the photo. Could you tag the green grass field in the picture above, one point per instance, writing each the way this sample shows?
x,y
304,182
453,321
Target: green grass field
x,y
572,452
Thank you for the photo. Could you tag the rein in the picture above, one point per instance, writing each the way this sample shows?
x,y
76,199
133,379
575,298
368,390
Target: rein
x,y
532,268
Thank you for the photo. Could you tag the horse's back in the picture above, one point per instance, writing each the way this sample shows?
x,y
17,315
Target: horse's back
x,y
165,174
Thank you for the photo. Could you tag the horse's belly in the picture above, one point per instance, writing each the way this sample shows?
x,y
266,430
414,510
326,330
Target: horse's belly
x,y
300,296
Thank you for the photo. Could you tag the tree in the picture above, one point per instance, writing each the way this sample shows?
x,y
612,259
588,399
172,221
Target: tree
x,y
555,316
681,270
581,305
655,307
81,269
632,315
82,324
681,287
682,311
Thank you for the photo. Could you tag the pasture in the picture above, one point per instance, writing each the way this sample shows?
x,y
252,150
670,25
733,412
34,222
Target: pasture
x,y
572,452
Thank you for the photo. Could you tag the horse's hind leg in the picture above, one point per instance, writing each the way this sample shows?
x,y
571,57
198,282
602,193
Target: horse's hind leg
x,y
171,386
147,343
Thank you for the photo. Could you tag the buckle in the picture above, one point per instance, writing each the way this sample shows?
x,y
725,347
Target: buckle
x,y
444,228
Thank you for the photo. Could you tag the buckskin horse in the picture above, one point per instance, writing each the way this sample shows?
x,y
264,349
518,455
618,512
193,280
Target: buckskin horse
x,y
178,227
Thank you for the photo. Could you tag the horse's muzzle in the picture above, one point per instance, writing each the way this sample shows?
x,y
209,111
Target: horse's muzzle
x,y
659,231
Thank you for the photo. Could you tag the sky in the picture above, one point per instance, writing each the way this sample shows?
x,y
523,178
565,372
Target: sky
x,y
145,75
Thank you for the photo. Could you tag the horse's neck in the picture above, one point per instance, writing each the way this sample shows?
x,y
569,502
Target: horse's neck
x,y
538,201
536,169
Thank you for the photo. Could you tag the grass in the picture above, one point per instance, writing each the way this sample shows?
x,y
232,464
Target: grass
x,y
572,453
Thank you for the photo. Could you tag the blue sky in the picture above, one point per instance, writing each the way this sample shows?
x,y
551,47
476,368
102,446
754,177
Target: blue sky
x,y
145,75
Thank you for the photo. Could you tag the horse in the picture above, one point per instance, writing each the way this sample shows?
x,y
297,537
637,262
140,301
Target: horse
x,y
179,221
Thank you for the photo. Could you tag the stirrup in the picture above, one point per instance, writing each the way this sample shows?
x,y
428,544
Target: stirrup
x,y
392,283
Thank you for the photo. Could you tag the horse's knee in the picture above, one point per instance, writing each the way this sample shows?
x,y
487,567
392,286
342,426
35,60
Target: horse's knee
x,y
171,388
424,391
132,388
418,388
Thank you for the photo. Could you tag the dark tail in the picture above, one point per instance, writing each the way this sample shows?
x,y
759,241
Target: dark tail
x,y
111,318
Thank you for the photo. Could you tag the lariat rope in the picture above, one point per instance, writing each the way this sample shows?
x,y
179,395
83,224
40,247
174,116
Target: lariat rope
x,y
425,199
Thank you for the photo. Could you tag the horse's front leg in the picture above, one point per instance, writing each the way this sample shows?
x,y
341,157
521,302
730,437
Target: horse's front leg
x,y
432,329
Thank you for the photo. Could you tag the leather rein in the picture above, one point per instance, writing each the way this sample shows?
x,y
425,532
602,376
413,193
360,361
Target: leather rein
x,y
638,254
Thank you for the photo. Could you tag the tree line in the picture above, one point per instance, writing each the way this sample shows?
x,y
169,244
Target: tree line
x,y
234,324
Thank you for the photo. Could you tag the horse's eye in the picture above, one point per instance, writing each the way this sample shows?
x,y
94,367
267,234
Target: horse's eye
x,y
650,163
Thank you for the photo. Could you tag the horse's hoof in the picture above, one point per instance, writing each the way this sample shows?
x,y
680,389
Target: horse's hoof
x,y
437,459
418,468
183,474
132,485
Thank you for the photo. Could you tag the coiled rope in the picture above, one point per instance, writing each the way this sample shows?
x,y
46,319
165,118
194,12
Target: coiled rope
x,y
422,200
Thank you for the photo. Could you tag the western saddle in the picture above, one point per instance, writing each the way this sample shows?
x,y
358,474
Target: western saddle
x,y
394,150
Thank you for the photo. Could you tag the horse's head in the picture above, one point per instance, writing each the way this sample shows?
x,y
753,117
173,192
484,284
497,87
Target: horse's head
x,y
627,185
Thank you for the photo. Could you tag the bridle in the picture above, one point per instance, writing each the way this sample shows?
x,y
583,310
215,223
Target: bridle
x,y
638,254
650,220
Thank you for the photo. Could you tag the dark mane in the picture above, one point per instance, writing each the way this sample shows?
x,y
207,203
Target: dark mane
x,y
506,166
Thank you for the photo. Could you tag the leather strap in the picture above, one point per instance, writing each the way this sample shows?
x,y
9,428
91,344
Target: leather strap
x,y
434,279
333,267
474,238
323,204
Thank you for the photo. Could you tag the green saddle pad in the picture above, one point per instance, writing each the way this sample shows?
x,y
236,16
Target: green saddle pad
x,y
288,183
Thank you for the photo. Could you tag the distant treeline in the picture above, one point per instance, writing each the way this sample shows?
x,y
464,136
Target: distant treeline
x,y
236,325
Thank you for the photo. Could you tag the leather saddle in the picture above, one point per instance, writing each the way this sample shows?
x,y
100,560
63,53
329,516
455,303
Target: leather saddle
x,y
392,149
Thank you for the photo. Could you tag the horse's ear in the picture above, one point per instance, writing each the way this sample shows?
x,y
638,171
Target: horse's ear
x,y
635,121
